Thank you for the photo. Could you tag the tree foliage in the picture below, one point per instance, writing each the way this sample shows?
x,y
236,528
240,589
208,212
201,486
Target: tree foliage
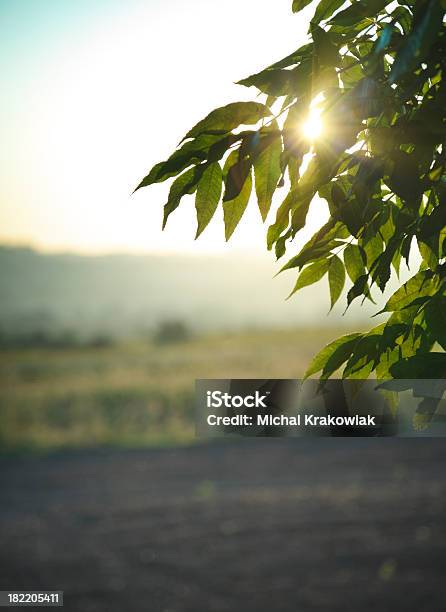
x,y
376,68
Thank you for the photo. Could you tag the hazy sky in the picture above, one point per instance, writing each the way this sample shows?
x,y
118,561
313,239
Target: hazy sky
x,y
94,92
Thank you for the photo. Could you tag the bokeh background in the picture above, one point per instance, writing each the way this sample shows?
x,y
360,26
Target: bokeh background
x,y
105,323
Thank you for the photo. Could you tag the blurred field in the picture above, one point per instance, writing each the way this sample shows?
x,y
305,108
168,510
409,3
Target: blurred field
x,y
132,394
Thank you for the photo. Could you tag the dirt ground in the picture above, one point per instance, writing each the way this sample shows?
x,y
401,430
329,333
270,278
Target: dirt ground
x,y
272,525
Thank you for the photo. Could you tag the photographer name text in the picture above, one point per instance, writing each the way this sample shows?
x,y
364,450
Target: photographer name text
x,y
282,420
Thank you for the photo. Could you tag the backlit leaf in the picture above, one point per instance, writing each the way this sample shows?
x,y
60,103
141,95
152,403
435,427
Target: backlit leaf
x,y
419,285
184,184
310,275
354,261
233,209
332,356
358,11
236,177
325,9
298,5
336,278
228,117
267,172
208,195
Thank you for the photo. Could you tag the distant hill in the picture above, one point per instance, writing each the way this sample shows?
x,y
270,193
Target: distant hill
x,y
127,294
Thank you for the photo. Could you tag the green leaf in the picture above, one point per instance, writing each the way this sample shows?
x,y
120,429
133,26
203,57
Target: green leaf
x,y
190,153
354,261
228,117
428,255
351,71
358,11
325,9
405,177
381,268
298,5
419,285
267,172
282,217
426,366
360,287
276,82
325,47
403,16
319,245
299,56
310,275
419,41
373,247
185,184
332,356
435,316
336,278
361,362
208,195
233,209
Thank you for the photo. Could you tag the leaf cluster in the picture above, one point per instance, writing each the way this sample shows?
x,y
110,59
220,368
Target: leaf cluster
x,y
376,69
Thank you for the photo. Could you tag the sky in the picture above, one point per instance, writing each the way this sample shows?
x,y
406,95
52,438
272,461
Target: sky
x,y
94,92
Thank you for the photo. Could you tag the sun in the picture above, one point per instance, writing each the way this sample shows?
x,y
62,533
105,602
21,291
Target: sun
x,y
313,126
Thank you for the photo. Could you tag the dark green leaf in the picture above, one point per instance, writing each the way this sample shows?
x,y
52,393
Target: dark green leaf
x,y
425,366
362,360
233,209
236,177
419,41
184,184
189,154
302,54
403,16
405,178
435,315
360,287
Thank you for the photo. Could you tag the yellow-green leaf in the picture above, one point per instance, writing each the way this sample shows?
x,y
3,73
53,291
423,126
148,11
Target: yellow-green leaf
x,y
233,209
298,5
332,356
336,278
267,173
311,274
208,195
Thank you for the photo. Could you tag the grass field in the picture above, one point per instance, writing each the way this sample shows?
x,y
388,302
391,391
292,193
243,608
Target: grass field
x,y
133,393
